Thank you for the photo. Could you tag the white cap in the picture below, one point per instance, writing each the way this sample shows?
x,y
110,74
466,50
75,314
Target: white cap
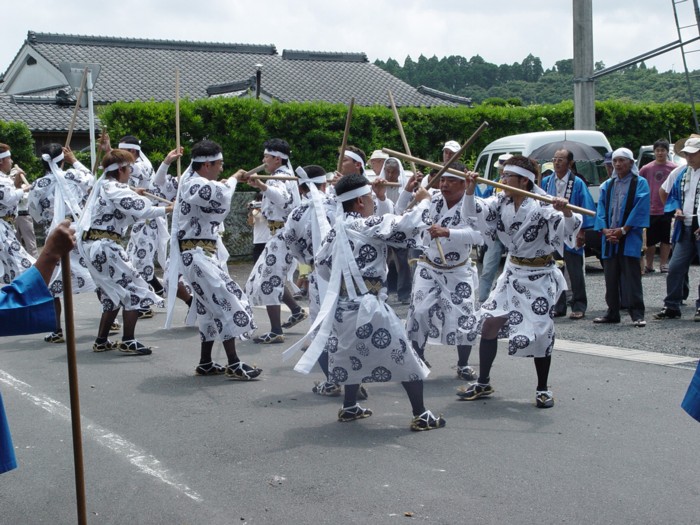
x,y
692,145
378,154
501,159
452,145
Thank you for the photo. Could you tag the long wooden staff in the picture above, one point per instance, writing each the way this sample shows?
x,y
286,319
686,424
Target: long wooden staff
x,y
75,109
177,119
151,196
273,177
543,198
73,387
254,170
407,149
346,133
444,167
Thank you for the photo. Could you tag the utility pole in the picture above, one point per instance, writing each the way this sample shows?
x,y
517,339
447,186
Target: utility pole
x,y
584,85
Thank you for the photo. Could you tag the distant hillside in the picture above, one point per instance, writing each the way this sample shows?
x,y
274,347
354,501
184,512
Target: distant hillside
x,y
529,83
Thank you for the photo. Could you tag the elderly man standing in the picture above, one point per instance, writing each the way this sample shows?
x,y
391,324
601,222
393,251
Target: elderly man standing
x,y
564,183
622,215
684,196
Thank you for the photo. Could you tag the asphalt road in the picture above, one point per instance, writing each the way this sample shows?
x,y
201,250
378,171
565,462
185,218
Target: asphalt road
x,y
162,446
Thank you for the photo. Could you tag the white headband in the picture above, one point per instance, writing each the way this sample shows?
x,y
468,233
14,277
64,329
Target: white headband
x,y
276,154
126,145
210,158
353,194
5,154
305,179
115,166
448,174
55,160
353,156
519,171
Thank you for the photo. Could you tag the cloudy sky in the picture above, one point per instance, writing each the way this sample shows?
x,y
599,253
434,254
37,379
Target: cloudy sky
x,y
501,31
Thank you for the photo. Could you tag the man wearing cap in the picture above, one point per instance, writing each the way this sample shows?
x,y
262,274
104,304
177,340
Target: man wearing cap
x,y
622,215
564,183
659,231
607,162
376,161
267,285
495,249
449,150
685,197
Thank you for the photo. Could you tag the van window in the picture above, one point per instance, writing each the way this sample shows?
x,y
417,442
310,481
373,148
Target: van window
x,y
593,172
481,166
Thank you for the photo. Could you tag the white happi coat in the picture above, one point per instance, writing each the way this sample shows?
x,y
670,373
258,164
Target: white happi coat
x,y
365,340
303,237
119,283
442,309
265,286
223,311
525,295
13,257
44,195
149,237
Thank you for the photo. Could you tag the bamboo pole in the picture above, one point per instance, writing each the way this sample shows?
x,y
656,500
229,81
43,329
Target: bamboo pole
x,y
273,177
544,198
75,109
150,195
254,170
177,119
73,388
346,133
406,148
444,167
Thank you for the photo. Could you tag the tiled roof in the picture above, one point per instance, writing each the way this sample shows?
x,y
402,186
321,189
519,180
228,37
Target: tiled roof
x,y
42,114
139,69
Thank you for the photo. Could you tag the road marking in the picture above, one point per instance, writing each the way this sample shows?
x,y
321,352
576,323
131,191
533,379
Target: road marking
x,y
144,462
627,354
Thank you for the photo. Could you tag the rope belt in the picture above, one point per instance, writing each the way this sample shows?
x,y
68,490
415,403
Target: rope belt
x,y
373,284
274,226
9,219
533,262
96,235
22,213
207,245
427,261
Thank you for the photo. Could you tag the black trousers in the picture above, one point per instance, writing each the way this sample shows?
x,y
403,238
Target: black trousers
x,y
623,280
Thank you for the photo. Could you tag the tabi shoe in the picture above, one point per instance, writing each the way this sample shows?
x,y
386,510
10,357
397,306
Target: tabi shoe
x,y
132,346
105,347
577,315
475,391
544,399
697,316
668,313
327,389
427,421
605,320
269,338
146,313
296,318
466,372
209,369
352,413
639,323
115,328
242,372
55,337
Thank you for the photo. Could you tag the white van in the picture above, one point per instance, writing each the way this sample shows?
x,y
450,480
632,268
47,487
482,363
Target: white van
x,y
526,143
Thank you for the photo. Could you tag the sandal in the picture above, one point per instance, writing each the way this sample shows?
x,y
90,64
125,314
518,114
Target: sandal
x,y
269,338
132,346
115,327
104,346
209,369
326,389
145,314
664,268
352,413
242,372
55,337
427,421
648,270
576,315
296,318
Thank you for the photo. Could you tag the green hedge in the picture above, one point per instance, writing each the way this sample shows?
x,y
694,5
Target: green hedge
x,y
19,138
314,130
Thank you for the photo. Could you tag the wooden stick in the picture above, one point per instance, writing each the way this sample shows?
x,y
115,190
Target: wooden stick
x,y
75,109
151,196
273,177
73,388
407,149
401,131
344,143
543,198
387,183
254,170
177,119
